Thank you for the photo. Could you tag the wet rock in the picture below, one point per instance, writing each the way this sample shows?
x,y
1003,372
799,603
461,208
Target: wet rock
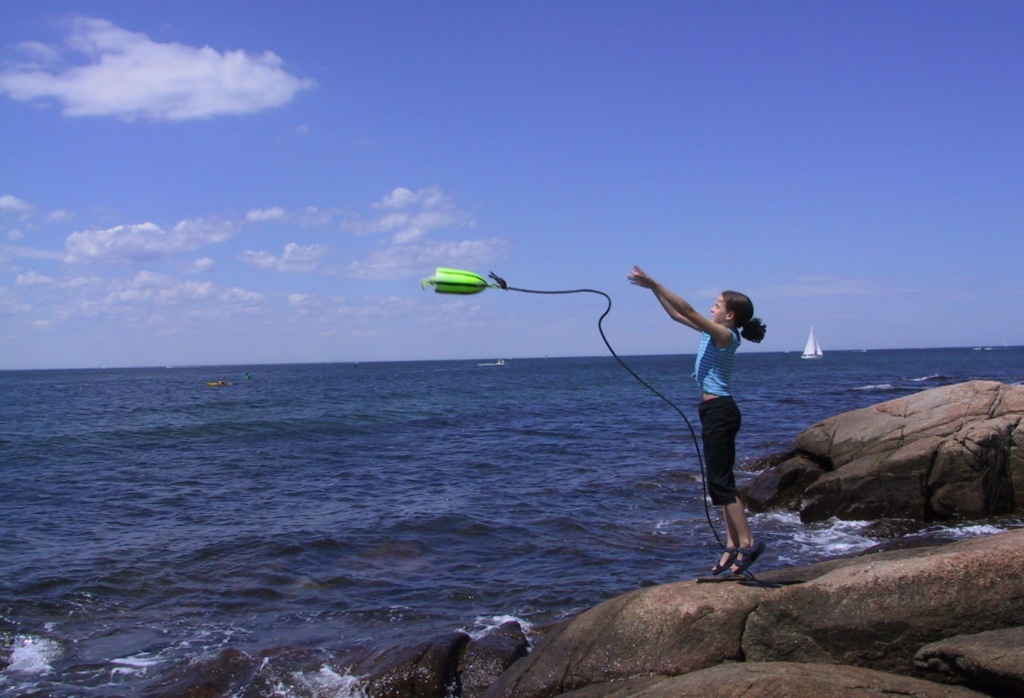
x,y
486,658
783,485
224,674
425,670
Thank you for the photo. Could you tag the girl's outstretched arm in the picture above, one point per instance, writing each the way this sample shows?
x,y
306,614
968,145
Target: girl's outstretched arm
x,y
680,310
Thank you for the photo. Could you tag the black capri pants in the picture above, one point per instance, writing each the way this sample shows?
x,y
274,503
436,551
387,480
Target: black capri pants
x,y
720,422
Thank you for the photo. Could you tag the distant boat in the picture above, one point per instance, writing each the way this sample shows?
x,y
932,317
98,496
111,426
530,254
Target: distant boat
x,y
499,362
812,350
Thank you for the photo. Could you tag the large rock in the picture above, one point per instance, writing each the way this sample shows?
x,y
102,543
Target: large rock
x,y
220,675
955,452
669,630
777,680
993,660
487,658
425,670
879,610
873,612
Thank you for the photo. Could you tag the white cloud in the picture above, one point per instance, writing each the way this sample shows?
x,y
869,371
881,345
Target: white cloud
x,y
294,258
308,217
144,241
260,215
201,265
240,295
10,304
13,206
33,253
400,197
820,285
148,287
37,55
410,215
33,279
128,75
412,261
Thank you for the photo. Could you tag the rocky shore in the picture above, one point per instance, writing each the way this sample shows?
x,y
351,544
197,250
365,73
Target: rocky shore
x,y
908,622
932,620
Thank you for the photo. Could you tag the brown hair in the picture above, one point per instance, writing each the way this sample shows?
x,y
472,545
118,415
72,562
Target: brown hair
x,y
742,309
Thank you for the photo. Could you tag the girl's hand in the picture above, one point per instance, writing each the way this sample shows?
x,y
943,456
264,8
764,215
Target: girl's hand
x,y
638,277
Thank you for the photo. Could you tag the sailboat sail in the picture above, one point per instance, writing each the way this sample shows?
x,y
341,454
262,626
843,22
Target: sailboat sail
x,y
812,350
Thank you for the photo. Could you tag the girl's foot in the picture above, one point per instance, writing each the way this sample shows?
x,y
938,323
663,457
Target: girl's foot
x,y
728,557
745,557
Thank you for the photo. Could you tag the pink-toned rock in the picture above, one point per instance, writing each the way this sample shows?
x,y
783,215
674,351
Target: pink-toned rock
x,y
777,680
871,612
879,610
670,629
992,660
955,452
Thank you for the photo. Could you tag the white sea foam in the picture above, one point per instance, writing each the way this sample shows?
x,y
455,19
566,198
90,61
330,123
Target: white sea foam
x,y
792,542
33,655
487,624
326,683
136,664
797,543
972,531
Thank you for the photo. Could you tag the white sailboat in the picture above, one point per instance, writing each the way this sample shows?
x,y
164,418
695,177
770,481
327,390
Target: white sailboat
x,y
812,350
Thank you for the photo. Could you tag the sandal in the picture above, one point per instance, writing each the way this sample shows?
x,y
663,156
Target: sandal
x,y
723,565
750,556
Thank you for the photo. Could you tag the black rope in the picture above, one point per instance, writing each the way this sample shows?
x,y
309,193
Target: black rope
x,y
696,442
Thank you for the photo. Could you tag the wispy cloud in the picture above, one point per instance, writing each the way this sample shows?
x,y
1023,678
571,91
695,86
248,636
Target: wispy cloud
x,y
145,241
13,206
150,289
171,277
408,261
128,75
409,215
294,258
820,285
308,217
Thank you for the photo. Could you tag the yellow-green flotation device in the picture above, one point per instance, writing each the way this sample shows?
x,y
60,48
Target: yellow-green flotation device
x,y
447,280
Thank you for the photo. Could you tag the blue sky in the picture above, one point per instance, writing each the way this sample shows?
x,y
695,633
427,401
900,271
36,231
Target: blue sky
x,y
250,182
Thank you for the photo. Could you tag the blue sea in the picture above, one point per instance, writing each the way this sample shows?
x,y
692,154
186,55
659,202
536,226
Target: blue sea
x,y
149,521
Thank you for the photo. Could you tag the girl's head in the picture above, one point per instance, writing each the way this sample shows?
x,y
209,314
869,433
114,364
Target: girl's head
x,y
742,309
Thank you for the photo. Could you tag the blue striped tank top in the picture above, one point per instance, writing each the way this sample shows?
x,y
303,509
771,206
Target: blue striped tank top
x,y
713,368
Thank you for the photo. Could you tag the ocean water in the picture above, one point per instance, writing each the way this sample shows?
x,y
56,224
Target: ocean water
x,y
149,521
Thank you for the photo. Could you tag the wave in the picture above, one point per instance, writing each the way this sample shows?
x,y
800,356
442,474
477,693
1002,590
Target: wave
x,y
32,656
796,543
485,625
877,387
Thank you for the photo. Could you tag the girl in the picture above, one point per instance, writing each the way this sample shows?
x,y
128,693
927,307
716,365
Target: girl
x,y
731,317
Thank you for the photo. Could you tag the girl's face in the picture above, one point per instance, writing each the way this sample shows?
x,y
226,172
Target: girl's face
x,y
719,315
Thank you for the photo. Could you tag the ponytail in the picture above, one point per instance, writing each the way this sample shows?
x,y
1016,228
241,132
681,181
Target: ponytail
x,y
753,330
